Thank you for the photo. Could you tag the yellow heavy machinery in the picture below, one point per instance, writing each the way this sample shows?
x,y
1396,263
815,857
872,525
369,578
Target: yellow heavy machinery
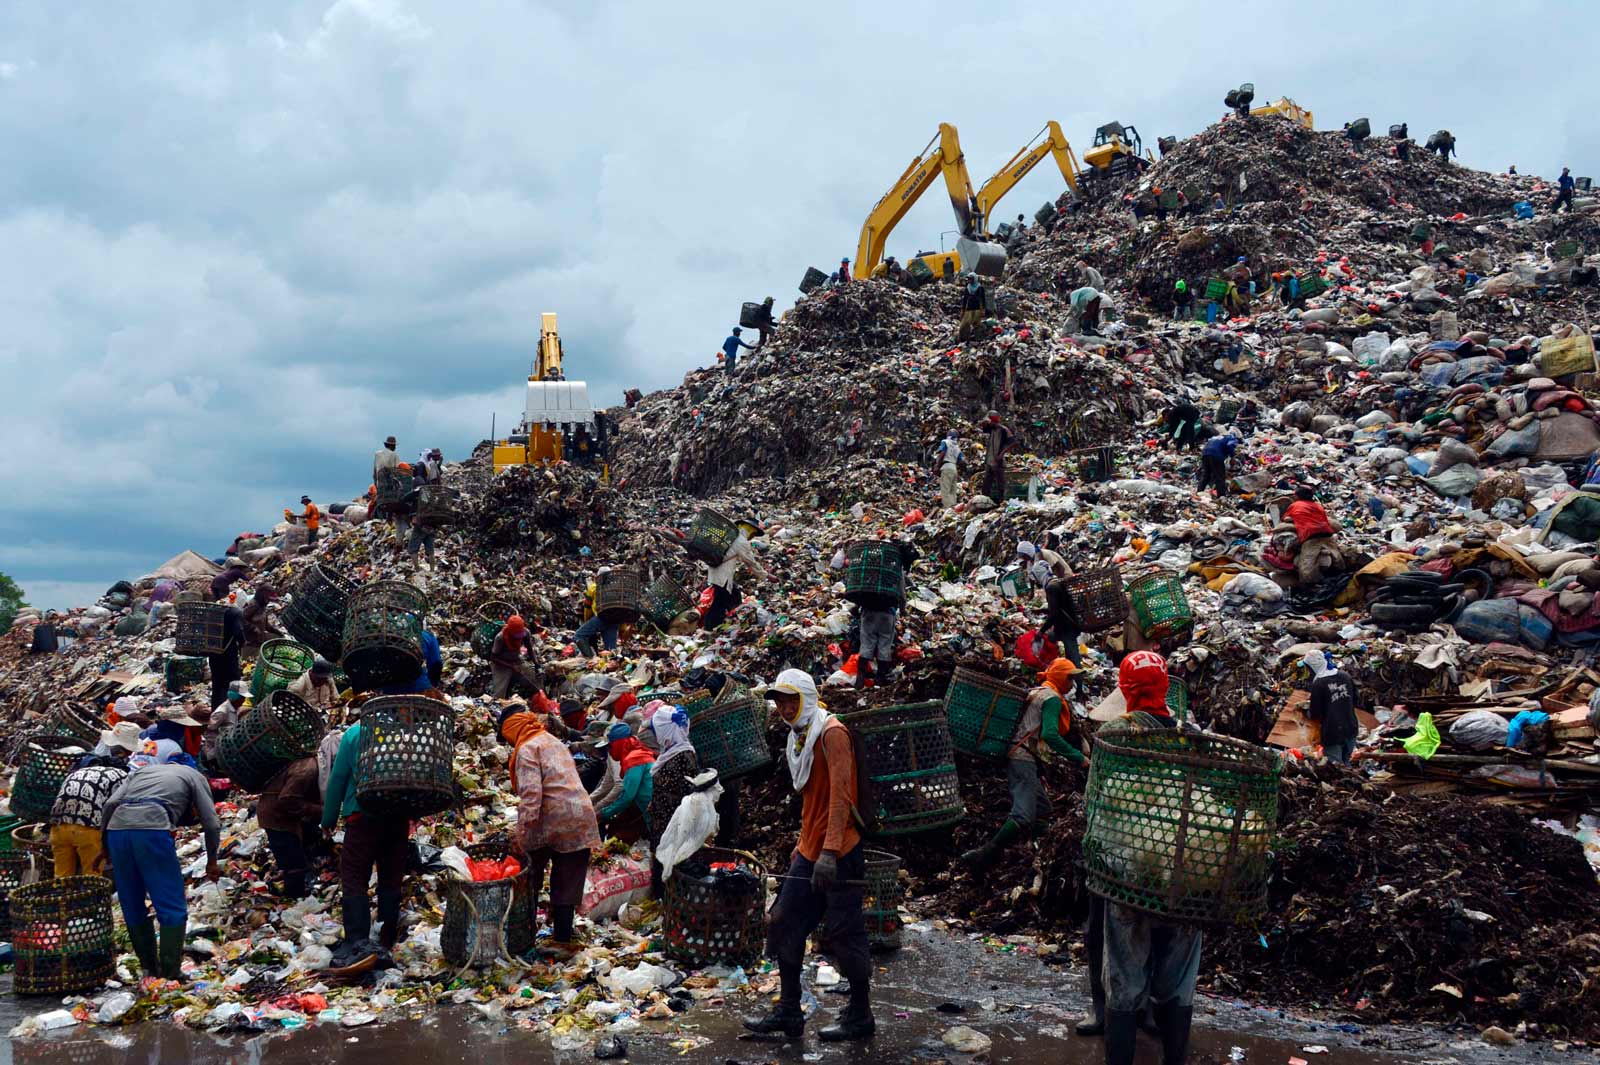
x,y
1288,109
1116,149
941,157
1016,168
558,421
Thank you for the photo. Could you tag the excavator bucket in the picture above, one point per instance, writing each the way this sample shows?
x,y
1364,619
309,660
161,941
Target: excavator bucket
x,y
984,258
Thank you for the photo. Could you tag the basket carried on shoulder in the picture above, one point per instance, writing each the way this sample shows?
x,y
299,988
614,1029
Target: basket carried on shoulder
x,y
484,919
280,664
1159,605
618,595
403,766
905,769
1100,598
730,734
1216,288
280,729
316,610
711,917
881,904
710,536
180,671
389,486
873,575
982,712
61,933
1180,824
46,761
437,505
383,634
664,600
202,629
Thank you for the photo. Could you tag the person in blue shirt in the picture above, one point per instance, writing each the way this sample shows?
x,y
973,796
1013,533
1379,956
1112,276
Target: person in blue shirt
x,y
1566,185
730,350
1214,463
432,669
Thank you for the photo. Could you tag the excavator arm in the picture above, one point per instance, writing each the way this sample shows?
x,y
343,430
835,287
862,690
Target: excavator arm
x,y
1028,157
942,155
549,368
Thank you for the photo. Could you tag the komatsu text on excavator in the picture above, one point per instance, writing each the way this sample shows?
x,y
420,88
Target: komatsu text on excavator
x,y
558,421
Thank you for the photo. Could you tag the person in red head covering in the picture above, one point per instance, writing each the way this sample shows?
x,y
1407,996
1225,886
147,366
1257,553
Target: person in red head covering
x,y
511,645
1143,680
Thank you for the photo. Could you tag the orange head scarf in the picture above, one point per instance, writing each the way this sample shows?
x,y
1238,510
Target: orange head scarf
x,y
518,729
1058,675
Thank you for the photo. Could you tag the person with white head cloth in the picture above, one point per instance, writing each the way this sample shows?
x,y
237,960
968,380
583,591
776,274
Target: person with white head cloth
x,y
1333,706
673,773
827,872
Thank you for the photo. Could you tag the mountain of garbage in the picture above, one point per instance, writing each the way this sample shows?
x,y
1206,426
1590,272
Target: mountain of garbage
x,y
1405,337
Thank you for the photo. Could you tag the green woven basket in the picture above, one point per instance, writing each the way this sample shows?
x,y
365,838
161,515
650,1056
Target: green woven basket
x,y
881,903
909,769
1159,604
982,713
873,576
61,932
46,761
730,735
1179,824
711,535
664,600
180,671
280,664
1216,288
1178,698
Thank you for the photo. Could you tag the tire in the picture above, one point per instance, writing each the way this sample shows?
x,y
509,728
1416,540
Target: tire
x,y
1403,613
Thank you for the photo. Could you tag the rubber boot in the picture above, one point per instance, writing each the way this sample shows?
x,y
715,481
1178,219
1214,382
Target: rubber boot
x,y
1094,1024
1174,1021
1122,1036
389,914
856,1021
357,918
1002,839
585,648
171,952
143,937
786,1018
861,673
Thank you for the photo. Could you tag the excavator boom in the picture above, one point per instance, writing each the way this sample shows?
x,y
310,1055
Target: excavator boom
x,y
1028,157
942,156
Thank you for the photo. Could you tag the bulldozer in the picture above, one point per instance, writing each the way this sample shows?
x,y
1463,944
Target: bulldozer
x,y
558,422
1116,149
1016,168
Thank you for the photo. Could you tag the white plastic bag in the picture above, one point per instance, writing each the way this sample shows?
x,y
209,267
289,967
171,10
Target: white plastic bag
x,y
455,860
693,823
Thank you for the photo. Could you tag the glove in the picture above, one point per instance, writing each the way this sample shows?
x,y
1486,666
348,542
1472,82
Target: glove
x,y
826,872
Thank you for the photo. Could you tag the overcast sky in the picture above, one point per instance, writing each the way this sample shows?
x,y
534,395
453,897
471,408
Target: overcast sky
x,y
244,242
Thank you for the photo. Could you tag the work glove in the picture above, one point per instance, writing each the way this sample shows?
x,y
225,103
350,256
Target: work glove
x,y
826,872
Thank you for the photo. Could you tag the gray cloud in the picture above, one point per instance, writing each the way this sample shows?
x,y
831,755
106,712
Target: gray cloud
x,y
245,243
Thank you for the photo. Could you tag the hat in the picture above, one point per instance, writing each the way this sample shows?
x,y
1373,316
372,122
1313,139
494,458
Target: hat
x,y
177,714
235,694
620,731
321,666
388,441
515,624
305,499
124,734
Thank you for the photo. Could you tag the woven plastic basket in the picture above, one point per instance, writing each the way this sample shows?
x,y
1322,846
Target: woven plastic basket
x,y
710,536
180,671
61,933
1178,698
276,731
982,712
1099,464
730,734
389,486
873,575
383,634
910,766
1180,824
70,719
14,866
1159,604
881,905
1102,602
33,843
403,768
618,595
46,761
437,505
486,918
664,600
316,610
280,664
201,629
715,917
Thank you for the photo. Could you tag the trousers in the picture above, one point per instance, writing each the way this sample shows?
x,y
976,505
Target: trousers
x,y
948,475
76,849
801,909
1147,958
369,841
1029,803
144,863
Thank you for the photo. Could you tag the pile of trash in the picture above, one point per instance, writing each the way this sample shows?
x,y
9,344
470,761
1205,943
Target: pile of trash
x,y
1433,391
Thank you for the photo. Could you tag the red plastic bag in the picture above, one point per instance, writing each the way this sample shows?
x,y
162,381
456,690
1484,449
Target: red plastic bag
x,y
504,869
1024,650
706,598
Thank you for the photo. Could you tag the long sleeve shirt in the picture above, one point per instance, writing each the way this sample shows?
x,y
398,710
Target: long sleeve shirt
x,y
669,784
638,786
292,798
1333,704
1310,519
610,786
339,797
1041,723
722,575
321,696
158,797
827,803
553,811
384,459
1061,612
221,720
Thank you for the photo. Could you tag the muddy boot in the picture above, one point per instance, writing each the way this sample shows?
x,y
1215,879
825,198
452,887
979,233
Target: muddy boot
x,y
143,937
785,1019
855,1022
1002,839
389,914
861,673
171,952
1122,1036
1094,1024
357,919
1174,1020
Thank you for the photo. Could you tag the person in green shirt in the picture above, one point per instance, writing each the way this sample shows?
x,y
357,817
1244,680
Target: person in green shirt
x,y
1042,729
634,760
370,840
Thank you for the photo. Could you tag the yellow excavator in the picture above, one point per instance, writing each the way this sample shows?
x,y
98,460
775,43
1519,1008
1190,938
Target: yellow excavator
x,y
1016,168
557,422
941,157
1288,109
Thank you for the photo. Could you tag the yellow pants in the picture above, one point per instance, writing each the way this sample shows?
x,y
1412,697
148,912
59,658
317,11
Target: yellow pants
x,y
76,849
